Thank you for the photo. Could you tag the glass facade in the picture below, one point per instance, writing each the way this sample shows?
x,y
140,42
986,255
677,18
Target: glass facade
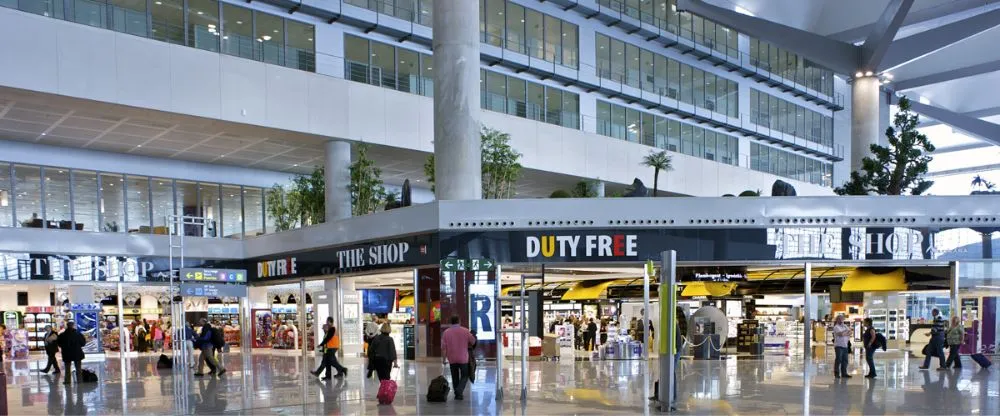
x,y
639,68
790,66
779,114
523,30
202,24
664,15
416,11
82,200
388,66
790,165
664,133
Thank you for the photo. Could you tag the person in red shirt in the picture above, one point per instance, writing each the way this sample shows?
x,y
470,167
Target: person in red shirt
x,y
455,344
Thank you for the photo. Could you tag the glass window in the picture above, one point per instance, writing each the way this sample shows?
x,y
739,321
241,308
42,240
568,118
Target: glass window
x,y
383,65
515,28
553,106
168,21
633,124
553,39
632,65
301,53
603,56
408,70
187,205
112,203
699,142
618,125
710,149
734,100
774,112
674,136
661,132
571,110
85,201
673,79
648,71
253,206
6,197
698,85
427,75
404,10
734,150
604,118
570,45
687,95
232,212
425,17
648,131
660,75
686,144
137,189
536,102
617,61
90,12
534,34
710,93
516,101
237,27
129,16
270,37
57,211
494,22
210,208
357,54
773,161
163,203
496,92
28,195
203,21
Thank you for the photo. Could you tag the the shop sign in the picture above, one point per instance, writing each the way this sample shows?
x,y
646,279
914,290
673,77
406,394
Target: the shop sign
x,y
482,310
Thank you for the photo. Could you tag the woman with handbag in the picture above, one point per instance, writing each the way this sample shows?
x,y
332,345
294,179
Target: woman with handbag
x,y
954,336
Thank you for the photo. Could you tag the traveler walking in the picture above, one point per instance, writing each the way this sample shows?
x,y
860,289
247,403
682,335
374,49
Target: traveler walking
x,y
71,343
382,353
157,337
591,336
455,344
935,347
868,338
841,345
331,344
51,348
204,343
955,338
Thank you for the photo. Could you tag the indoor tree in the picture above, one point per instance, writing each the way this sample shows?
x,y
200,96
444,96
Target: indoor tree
x,y
659,161
283,207
368,192
897,169
501,165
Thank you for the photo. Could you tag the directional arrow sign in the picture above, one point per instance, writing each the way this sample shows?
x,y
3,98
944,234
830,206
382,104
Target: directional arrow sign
x,y
486,265
448,265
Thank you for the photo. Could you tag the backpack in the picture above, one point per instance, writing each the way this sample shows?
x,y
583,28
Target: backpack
x,y
88,376
218,339
880,341
438,390
165,362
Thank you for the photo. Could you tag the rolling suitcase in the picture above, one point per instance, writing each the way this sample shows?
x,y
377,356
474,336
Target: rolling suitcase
x,y
386,392
981,360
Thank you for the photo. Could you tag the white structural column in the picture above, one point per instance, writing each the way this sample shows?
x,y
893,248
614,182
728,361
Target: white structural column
x,y
865,118
338,180
457,160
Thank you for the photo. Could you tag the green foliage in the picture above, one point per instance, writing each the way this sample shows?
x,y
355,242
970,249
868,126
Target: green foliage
x,y
367,189
658,161
751,193
501,167
559,193
311,193
584,189
283,207
898,169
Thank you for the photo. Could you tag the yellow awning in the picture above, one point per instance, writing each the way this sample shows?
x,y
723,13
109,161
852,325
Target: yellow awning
x,y
708,289
406,301
587,290
784,274
865,281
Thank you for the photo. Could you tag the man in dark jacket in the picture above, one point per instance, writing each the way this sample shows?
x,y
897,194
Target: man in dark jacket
x,y
204,343
71,343
51,348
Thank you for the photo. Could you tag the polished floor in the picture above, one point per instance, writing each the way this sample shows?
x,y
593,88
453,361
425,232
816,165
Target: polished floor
x,y
279,384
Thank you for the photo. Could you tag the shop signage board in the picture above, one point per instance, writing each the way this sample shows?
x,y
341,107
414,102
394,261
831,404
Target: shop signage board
x,y
482,310
418,250
467,265
77,268
215,290
213,275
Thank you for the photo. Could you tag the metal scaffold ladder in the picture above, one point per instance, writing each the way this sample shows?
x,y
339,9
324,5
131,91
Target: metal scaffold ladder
x,y
523,329
175,237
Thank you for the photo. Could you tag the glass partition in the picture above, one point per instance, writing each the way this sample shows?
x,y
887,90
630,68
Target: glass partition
x,y
203,24
270,37
6,196
232,212
168,21
112,204
57,210
137,200
237,27
163,204
253,208
85,201
129,16
28,191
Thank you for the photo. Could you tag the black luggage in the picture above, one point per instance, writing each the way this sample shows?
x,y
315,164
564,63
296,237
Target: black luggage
x,y
981,360
218,339
165,362
87,376
438,390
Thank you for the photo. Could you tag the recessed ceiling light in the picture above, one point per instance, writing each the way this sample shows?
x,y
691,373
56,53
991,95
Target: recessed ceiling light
x,y
222,155
239,22
201,12
275,30
869,73
159,3
858,74
138,145
266,37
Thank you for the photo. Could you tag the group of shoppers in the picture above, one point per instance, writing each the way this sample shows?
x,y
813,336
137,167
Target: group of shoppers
x,y
71,342
147,336
211,342
941,334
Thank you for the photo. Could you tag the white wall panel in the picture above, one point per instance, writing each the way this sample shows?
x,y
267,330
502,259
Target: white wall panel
x,y
195,84
143,71
243,98
326,108
402,127
366,113
287,97
87,66
28,48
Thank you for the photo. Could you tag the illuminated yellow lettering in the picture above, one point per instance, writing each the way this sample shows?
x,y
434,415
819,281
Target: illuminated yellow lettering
x,y
548,245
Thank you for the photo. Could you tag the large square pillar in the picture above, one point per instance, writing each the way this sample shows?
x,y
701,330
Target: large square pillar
x,y
337,177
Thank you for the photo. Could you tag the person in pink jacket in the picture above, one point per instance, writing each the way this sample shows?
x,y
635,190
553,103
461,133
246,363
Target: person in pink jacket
x,y
455,344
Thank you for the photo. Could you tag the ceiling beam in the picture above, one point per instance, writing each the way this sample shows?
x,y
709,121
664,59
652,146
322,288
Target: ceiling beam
x,y
838,56
971,126
882,34
857,34
946,76
986,112
961,147
911,48
963,171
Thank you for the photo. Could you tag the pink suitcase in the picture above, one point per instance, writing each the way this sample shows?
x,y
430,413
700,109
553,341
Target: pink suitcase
x,y
386,392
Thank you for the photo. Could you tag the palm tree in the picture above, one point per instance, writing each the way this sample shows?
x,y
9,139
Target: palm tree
x,y
658,161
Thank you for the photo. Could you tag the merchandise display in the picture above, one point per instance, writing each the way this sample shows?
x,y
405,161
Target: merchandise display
x,y
36,318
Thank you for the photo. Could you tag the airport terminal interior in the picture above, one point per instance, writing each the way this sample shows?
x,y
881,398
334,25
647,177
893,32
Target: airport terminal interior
x,y
710,207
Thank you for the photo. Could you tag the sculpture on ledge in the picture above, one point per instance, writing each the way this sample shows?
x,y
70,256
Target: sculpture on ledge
x,y
638,190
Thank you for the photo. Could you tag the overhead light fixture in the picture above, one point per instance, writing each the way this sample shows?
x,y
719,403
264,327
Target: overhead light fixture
x,y
4,198
858,74
924,100
887,75
869,73
266,37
